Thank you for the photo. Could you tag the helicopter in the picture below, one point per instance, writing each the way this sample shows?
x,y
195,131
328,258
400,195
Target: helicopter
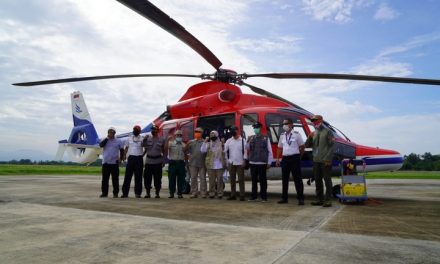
x,y
218,103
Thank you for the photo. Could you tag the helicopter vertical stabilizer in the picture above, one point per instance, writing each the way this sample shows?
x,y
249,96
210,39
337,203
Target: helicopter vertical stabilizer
x,y
82,144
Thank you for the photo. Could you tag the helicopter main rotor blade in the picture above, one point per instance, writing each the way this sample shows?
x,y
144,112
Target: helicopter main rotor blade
x,y
336,76
91,78
263,92
157,16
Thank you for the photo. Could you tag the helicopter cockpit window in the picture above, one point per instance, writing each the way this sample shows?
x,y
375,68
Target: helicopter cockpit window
x,y
247,120
220,123
187,128
274,124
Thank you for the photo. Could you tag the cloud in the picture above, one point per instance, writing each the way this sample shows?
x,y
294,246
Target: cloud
x,y
407,134
280,44
385,13
414,43
338,11
384,67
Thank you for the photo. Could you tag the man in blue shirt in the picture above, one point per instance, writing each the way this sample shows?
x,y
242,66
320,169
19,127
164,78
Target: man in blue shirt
x,y
111,155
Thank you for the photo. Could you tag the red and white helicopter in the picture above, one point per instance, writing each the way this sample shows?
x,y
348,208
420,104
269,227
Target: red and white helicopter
x,y
218,103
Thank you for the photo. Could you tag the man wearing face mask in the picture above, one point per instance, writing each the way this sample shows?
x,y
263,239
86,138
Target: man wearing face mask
x,y
291,145
321,140
197,164
259,153
176,169
154,146
234,152
135,163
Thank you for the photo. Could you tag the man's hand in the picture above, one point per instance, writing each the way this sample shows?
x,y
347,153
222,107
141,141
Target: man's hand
x,y
328,163
277,163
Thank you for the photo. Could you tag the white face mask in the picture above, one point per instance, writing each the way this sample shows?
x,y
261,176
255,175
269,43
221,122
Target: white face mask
x,y
286,128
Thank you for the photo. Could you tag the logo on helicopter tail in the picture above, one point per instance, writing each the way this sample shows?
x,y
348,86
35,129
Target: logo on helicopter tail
x,y
78,109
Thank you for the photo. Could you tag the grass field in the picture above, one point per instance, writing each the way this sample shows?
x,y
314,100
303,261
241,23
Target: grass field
x,y
434,175
8,169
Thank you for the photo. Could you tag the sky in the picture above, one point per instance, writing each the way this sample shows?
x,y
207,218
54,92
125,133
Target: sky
x,y
51,39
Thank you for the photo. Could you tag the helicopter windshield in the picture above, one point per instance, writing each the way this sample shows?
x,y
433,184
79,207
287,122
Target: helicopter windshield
x,y
336,132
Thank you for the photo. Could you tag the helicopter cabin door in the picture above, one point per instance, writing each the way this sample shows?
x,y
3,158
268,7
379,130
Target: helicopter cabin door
x,y
220,123
274,126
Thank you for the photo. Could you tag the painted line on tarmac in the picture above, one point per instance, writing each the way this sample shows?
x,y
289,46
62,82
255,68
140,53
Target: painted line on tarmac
x,y
309,233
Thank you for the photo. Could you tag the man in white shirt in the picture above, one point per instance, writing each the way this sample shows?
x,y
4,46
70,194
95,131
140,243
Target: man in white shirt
x,y
291,145
135,163
234,153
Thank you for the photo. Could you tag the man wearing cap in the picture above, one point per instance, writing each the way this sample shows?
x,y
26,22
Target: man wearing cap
x,y
135,163
113,151
321,140
291,145
259,153
197,164
215,163
154,147
234,153
176,169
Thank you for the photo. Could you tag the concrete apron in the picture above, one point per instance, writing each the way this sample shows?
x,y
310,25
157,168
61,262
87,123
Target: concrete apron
x,y
31,231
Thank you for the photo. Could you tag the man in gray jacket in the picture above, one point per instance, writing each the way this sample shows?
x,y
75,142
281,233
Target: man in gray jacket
x,y
321,140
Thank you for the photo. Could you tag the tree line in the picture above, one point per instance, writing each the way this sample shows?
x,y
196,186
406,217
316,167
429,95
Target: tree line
x,y
425,162
97,162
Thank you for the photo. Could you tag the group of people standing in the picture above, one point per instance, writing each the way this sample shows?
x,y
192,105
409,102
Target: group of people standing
x,y
212,156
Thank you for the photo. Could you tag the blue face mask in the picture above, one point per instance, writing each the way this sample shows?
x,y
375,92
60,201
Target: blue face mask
x,y
178,139
257,131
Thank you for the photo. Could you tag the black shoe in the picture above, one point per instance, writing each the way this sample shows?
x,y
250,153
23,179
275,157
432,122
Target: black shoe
x,y
220,197
157,196
171,196
147,196
211,197
242,199
317,203
301,202
179,196
138,196
282,201
327,204
124,196
103,196
264,200
115,195
230,198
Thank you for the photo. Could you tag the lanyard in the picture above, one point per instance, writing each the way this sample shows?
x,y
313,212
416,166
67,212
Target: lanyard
x,y
288,139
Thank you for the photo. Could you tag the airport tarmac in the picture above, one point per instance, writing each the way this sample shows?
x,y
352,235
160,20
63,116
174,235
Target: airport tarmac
x,y
60,219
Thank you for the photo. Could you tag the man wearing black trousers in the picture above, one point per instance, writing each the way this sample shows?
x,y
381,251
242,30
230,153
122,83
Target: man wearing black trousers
x,y
113,151
259,152
291,145
135,163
